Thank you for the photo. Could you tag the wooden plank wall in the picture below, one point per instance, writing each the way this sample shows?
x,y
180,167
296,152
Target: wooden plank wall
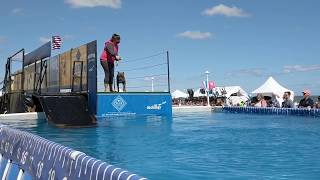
x,y
80,54
16,82
65,70
53,74
59,72
29,77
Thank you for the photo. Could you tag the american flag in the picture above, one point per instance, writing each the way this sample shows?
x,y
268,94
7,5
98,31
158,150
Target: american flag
x,y
56,42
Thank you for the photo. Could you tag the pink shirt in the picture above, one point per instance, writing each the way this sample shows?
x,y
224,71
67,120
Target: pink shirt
x,y
108,56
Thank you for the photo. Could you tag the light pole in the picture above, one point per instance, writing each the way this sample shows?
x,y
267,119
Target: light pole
x,y
207,87
152,84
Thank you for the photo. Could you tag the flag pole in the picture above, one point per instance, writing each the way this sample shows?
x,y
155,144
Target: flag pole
x,y
207,88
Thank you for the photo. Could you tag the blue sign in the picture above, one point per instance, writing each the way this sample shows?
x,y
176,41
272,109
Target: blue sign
x,y
134,104
92,76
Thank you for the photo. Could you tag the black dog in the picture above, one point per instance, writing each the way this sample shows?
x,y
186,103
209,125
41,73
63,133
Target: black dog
x,y
121,79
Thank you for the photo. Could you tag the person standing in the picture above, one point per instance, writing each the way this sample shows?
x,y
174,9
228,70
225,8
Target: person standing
x,y
107,58
287,102
306,102
261,101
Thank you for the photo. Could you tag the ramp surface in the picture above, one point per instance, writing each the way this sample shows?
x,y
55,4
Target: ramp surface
x,y
67,110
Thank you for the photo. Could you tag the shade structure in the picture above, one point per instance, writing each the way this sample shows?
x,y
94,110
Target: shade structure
x,y
179,94
272,88
198,93
230,90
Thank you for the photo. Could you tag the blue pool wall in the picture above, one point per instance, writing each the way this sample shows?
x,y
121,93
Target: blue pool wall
x,y
134,104
274,111
43,159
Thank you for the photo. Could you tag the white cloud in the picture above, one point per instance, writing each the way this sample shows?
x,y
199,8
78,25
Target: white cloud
x,y
44,39
16,10
225,11
196,35
257,72
300,68
115,4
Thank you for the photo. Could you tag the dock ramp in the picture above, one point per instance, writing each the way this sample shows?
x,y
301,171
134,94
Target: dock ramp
x,y
67,110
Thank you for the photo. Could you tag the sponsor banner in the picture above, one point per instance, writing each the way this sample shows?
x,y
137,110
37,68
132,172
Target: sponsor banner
x,y
134,103
92,76
42,52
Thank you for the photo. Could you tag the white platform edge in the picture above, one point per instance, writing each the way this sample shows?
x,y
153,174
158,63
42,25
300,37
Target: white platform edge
x,y
191,108
26,116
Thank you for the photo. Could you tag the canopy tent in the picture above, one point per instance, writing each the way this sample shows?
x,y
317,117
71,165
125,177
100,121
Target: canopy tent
x,y
179,94
272,87
234,94
230,90
198,93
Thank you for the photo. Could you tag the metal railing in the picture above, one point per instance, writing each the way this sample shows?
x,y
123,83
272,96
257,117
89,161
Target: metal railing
x,y
145,74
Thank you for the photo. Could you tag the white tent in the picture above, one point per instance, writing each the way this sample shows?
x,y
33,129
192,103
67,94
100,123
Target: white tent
x,y
234,94
197,93
272,87
179,94
231,90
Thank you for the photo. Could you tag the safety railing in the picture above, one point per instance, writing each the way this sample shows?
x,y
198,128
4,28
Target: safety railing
x,y
27,156
145,74
275,111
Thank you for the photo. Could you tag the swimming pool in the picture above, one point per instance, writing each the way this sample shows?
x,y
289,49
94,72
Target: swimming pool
x,y
198,145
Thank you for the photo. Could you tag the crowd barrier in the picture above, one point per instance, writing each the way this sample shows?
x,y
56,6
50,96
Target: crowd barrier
x,y
27,156
270,110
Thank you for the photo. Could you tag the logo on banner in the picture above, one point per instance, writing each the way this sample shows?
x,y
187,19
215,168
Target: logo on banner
x,y
119,103
156,106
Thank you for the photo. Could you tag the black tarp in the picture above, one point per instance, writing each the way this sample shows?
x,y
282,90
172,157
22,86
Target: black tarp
x,y
42,52
68,110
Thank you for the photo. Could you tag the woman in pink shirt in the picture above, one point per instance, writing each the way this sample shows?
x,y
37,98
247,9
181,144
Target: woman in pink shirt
x,y
107,58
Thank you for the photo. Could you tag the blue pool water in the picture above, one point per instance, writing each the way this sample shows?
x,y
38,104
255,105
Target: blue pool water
x,y
198,145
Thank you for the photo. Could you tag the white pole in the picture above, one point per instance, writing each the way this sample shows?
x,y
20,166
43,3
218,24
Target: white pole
x,y
152,84
20,175
207,89
7,170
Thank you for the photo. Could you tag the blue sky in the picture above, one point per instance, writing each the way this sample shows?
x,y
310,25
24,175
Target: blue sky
x,y
241,42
